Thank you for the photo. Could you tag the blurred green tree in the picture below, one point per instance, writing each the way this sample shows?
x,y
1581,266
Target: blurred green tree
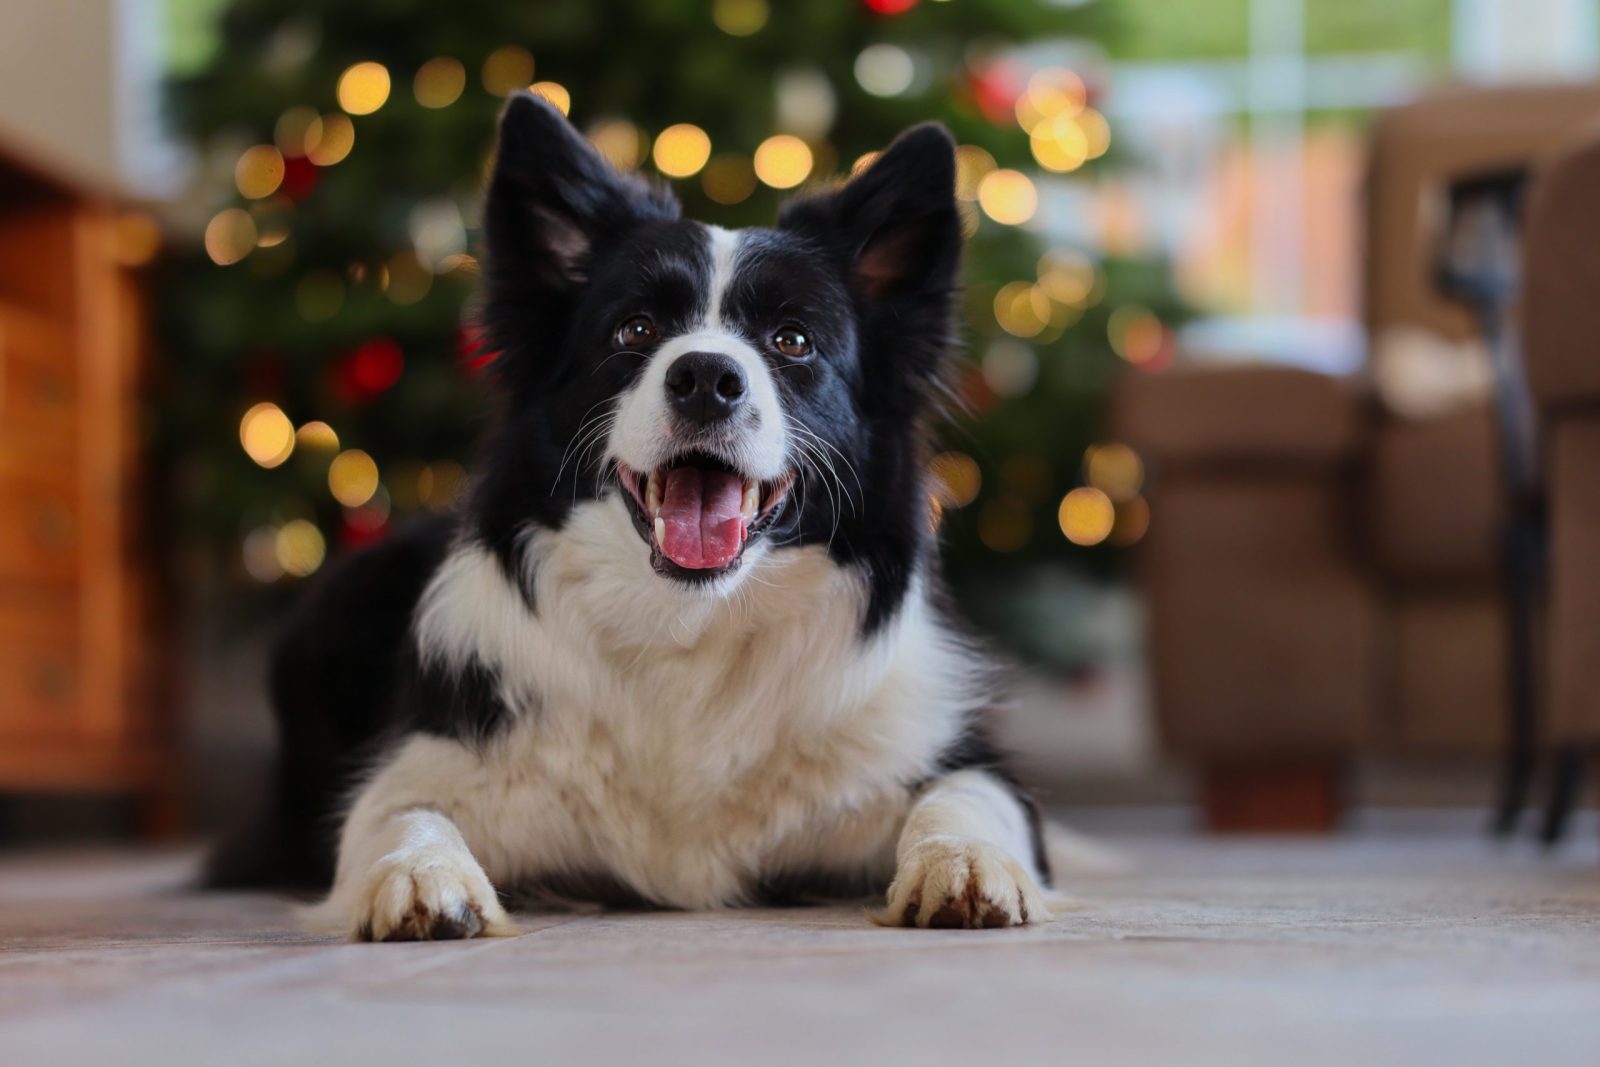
x,y
319,323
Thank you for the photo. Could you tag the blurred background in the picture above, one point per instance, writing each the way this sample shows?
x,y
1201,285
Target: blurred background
x,y
1231,484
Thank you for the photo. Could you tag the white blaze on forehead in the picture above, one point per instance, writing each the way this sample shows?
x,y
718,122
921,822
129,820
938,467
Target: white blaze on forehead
x,y
643,437
724,253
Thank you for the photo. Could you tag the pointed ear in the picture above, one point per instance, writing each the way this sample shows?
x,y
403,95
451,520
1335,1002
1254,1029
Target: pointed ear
x,y
896,222
552,198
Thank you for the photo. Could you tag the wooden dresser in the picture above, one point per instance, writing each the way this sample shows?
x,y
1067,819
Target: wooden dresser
x,y
82,704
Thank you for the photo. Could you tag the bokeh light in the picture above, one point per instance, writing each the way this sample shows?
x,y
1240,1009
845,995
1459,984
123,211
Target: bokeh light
x,y
1008,197
1086,516
230,235
1051,93
259,553
973,164
739,18
352,478
1132,522
1005,524
266,434
620,141
508,69
363,88
783,161
1114,469
440,485
299,547
1136,334
292,132
330,140
317,436
728,179
1067,276
407,279
1096,131
554,92
274,219
439,82
259,172
1021,309
681,150
1059,144
1010,368
885,69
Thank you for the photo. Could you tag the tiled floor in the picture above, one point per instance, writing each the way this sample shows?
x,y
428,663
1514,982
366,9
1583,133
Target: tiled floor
x,y
1381,948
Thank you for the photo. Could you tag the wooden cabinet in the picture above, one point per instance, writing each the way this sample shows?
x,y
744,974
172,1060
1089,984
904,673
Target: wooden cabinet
x,y
82,700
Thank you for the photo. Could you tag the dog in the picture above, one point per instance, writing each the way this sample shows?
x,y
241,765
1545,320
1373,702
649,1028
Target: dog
x,y
684,644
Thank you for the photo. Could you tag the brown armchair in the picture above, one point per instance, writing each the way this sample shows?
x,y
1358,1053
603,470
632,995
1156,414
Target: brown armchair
x,y
1323,576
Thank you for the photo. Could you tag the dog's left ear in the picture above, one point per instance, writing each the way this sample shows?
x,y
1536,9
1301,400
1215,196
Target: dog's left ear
x,y
553,199
896,223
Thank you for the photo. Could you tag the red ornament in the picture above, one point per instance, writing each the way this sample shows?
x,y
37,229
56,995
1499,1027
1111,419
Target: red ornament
x,y
376,365
890,7
362,526
995,89
300,177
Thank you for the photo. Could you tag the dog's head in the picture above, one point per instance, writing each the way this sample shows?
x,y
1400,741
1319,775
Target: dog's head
x,y
736,392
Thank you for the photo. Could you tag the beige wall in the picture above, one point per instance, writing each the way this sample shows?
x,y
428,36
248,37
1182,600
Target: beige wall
x,y
71,94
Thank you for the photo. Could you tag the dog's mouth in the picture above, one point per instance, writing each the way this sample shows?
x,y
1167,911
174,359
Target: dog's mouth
x,y
698,512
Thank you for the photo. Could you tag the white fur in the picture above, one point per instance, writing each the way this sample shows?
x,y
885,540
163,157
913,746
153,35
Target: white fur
x,y
959,859
644,437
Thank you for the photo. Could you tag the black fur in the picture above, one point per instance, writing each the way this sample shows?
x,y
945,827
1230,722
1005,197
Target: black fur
x,y
572,248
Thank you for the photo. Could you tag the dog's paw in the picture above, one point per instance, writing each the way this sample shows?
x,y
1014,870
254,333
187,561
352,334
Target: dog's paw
x,y
429,894
962,883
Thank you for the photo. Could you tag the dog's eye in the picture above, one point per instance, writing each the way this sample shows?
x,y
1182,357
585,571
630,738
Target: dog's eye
x,y
792,342
635,332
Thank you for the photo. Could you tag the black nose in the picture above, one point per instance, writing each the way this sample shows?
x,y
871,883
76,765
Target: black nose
x,y
704,387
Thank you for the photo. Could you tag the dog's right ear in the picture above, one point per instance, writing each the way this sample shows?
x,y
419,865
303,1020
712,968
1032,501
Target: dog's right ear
x,y
553,199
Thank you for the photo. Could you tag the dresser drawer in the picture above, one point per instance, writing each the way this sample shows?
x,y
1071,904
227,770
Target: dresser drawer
x,y
40,663
37,376
39,527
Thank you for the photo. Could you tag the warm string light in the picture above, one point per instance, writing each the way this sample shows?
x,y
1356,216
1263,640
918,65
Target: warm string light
x,y
439,82
681,150
1008,197
554,92
266,435
739,18
783,161
363,88
507,70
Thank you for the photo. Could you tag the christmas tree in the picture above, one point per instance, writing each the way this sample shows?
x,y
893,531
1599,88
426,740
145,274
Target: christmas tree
x,y
322,375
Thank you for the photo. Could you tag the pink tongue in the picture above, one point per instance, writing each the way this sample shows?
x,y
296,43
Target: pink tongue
x,y
700,510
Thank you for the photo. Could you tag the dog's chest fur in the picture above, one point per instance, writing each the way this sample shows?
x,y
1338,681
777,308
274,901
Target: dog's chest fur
x,y
690,749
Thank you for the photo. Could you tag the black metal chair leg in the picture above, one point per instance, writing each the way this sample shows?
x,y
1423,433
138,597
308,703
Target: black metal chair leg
x,y
1566,784
1523,550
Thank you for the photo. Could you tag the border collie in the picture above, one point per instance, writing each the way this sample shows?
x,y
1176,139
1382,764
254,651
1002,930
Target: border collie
x,y
682,647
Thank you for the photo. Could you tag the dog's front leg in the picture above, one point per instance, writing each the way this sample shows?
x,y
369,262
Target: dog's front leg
x,y
965,858
405,872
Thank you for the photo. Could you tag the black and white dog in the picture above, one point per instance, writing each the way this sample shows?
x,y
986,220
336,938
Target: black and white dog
x,y
682,646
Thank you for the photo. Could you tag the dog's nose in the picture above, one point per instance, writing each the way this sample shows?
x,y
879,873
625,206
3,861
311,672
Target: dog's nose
x,y
705,387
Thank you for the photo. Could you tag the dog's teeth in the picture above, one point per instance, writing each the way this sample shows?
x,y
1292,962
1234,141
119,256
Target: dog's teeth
x,y
652,494
751,502
661,532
